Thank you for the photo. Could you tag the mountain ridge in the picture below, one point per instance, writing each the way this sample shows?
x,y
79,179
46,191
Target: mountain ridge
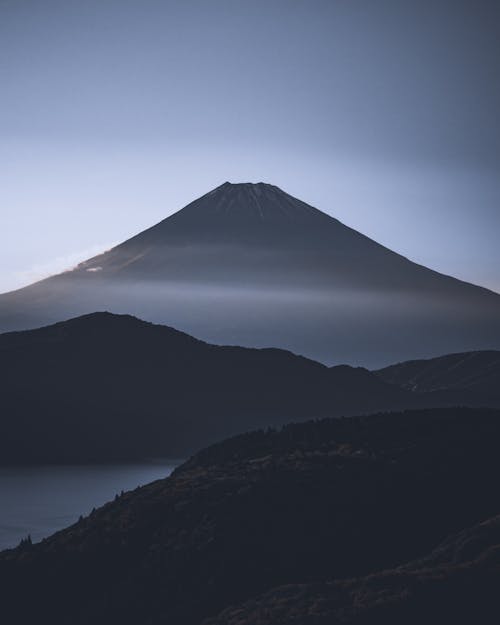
x,y
378,494
152,391
477,371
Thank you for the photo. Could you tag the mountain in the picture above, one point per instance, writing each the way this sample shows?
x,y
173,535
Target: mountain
x,y
249,264
471,374
106,387
347,514
456,583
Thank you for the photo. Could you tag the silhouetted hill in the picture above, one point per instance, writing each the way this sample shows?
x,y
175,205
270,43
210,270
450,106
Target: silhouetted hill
x,y
107,387
456,583
249,264
474,372
306,505
468,379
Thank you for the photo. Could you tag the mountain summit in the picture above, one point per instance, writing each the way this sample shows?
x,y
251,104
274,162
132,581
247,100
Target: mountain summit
x,y
249,264
248,200
245,213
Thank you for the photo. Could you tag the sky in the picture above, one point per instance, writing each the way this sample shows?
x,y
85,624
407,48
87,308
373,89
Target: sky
x,y
116,113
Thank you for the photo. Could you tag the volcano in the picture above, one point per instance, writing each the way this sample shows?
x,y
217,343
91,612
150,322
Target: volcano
x,y
249,264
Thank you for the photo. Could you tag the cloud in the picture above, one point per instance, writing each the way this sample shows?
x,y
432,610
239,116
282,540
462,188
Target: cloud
x,y
59,264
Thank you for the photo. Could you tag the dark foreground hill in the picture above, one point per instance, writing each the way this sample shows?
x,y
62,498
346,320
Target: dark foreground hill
x,y
457,583
249,264
108,387
311,506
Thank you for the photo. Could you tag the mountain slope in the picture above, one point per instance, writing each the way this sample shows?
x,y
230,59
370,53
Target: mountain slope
x,y
311,503
472,372
108,387
249,264
456,583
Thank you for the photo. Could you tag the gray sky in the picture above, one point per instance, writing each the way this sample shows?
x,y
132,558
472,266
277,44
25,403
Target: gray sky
x,y
115,113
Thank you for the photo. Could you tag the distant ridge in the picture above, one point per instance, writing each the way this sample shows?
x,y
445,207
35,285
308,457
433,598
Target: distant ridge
x,y
105,387
473,372
249,264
